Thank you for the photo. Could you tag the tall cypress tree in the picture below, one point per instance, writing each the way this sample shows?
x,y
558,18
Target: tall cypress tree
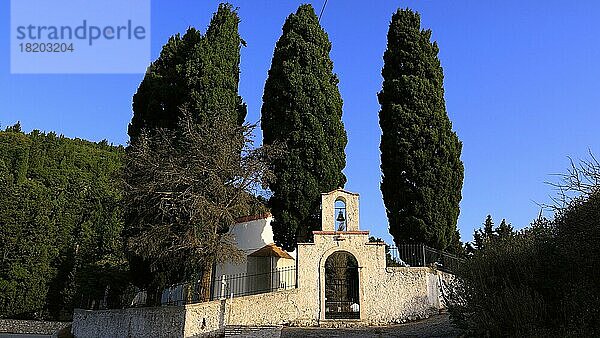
x,y
422,173
164,89
194,74
194,81
222,67
302,111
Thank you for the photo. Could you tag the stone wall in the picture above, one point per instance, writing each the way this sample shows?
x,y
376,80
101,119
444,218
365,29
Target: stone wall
x,y
31,326
288,307
164,321
388,295
205,319
402,294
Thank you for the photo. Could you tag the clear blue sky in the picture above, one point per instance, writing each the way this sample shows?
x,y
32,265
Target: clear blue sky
x,y
521,80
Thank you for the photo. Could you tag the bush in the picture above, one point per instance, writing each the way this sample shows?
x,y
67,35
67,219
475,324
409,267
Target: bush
x,y
541,281
503,289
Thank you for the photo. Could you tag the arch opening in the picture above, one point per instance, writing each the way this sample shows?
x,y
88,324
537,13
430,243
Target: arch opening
x,y
342,286
339,215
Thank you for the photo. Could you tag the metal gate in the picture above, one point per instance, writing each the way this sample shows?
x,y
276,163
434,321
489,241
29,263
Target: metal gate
x,y
341,286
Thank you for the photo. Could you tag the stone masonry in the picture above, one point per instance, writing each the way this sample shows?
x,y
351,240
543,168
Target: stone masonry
x,y
386,295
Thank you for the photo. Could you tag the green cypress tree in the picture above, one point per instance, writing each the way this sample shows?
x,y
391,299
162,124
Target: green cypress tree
x,y
164,89
194,74
220,84
302,111
422,173
194,83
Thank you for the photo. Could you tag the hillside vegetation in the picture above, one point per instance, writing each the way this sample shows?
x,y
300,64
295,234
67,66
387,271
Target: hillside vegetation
x,y
60,222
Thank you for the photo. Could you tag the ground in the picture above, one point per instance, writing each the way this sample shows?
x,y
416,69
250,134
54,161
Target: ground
x,y
437,326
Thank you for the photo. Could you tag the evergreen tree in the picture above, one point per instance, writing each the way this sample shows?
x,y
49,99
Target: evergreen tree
x,y
196,74
504,230
165,87
194,86
488,227
60,219
302,112
485,236
422,173
218,87
482,236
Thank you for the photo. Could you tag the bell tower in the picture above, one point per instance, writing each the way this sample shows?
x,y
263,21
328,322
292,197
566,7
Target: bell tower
x,y
339,211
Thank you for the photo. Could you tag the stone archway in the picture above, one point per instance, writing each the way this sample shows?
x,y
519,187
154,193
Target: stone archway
x,y
342,286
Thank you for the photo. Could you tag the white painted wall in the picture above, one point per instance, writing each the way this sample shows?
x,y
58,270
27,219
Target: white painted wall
x,y
249,237
253,235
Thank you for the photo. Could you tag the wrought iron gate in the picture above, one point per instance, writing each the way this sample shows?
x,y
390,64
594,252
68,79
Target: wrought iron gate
x,y
341,286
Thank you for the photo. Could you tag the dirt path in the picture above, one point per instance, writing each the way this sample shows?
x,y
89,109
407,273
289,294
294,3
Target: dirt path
x,y
437,326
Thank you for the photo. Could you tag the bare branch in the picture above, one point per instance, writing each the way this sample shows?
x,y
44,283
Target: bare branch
x,y
580,181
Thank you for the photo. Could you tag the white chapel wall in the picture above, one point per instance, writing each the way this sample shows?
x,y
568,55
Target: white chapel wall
x,y
387,295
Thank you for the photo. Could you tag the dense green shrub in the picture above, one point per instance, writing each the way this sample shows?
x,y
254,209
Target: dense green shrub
x,y
504,283
540,281
578,259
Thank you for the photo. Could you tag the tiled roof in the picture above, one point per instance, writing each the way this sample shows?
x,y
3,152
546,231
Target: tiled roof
x,y
252,218
270,250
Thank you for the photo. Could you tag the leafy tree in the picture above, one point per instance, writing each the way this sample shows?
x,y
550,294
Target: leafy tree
x,y
420,154
302,112
182,207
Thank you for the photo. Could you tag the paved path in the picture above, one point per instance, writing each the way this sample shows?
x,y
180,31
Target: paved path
x,y
437,326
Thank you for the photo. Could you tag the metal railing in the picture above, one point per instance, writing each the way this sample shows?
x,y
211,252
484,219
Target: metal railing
x,y
223,286
244,284
421,255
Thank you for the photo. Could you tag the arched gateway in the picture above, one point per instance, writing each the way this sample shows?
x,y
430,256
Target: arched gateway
x,y
341,286
340,279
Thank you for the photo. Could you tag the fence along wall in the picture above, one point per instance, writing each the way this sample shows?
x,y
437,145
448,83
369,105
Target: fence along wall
x,y
389,295
401,294
422,255
236,285
385,294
